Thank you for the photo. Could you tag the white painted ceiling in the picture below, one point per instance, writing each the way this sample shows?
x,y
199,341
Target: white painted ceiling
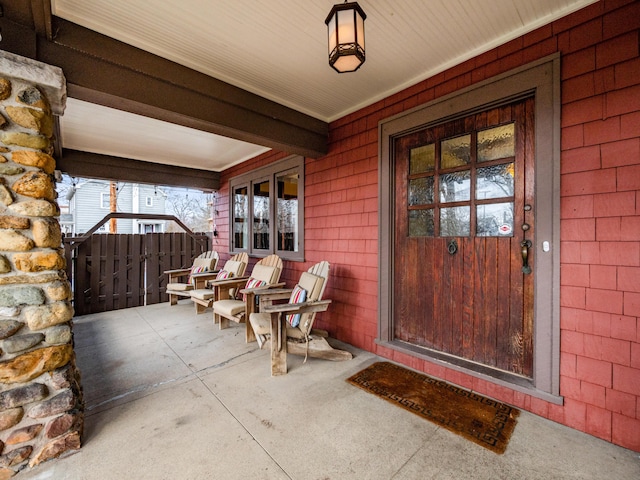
x,y
97,129
278,49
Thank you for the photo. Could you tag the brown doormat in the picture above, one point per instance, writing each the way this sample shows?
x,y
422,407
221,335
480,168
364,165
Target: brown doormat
x,y
482,420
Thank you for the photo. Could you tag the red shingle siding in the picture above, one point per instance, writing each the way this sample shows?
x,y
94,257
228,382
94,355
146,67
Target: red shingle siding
x,y
628,178
600,216
578,207
624,431
620,402
581,159
611,204
578,63
601,172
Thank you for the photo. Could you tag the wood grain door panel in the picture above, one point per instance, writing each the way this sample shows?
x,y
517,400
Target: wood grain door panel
x,y
472,301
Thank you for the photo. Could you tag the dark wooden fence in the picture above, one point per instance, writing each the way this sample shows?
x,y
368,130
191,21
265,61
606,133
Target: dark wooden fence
x,y
114,271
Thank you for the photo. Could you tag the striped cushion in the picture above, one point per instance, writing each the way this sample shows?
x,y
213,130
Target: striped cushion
x,y
298,295
196,269
253,283
223,274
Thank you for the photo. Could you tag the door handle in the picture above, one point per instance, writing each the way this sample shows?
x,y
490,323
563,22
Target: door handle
x,y
525,245
452,247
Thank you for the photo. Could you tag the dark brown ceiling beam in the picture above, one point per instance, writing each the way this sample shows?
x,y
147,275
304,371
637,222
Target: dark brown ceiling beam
x,y
41,11
17,38
20,22
106,167
102,70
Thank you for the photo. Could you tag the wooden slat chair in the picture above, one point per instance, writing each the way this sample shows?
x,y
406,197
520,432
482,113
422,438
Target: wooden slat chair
x,y
295,335
264,275
202,269
233,268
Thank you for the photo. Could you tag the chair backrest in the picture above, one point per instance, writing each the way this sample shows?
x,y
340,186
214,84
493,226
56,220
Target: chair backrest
x,y
208,260
314,282
234,268
268,269
313,285
237,264
205,262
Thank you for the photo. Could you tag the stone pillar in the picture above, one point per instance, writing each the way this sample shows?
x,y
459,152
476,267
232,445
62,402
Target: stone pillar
x,y
41,408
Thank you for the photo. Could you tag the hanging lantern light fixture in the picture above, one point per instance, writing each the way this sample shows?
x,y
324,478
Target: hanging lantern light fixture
x,y
346,37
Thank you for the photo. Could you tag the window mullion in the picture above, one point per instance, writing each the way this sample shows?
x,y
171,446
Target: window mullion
x,y
264,201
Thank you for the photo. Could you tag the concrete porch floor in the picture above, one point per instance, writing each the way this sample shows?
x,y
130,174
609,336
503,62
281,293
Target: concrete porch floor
x,y
170,396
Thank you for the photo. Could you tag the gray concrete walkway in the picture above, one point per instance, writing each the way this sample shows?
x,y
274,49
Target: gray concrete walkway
x,y
169,396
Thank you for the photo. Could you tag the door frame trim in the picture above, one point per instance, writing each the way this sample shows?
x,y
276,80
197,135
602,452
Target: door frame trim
x,y
540,79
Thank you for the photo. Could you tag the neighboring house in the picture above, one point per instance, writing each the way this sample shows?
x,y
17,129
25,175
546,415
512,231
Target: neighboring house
x,y
90,202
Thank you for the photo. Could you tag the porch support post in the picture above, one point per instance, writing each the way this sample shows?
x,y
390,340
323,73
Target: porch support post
x,y
40,400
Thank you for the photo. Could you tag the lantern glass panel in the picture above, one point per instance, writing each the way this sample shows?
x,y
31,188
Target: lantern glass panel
x,y
346,33
347,63
332,34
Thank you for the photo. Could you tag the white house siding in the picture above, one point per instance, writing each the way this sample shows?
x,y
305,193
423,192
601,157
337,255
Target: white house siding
x,y
87,208
157,206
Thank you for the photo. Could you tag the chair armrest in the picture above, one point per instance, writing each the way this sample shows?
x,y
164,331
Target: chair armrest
x,y
267,297
264,290
178,271
293,308
176,274
207,273
200,279
262,294
233,282
278,291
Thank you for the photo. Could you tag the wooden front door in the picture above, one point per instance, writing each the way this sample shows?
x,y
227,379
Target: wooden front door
x,y
464,217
